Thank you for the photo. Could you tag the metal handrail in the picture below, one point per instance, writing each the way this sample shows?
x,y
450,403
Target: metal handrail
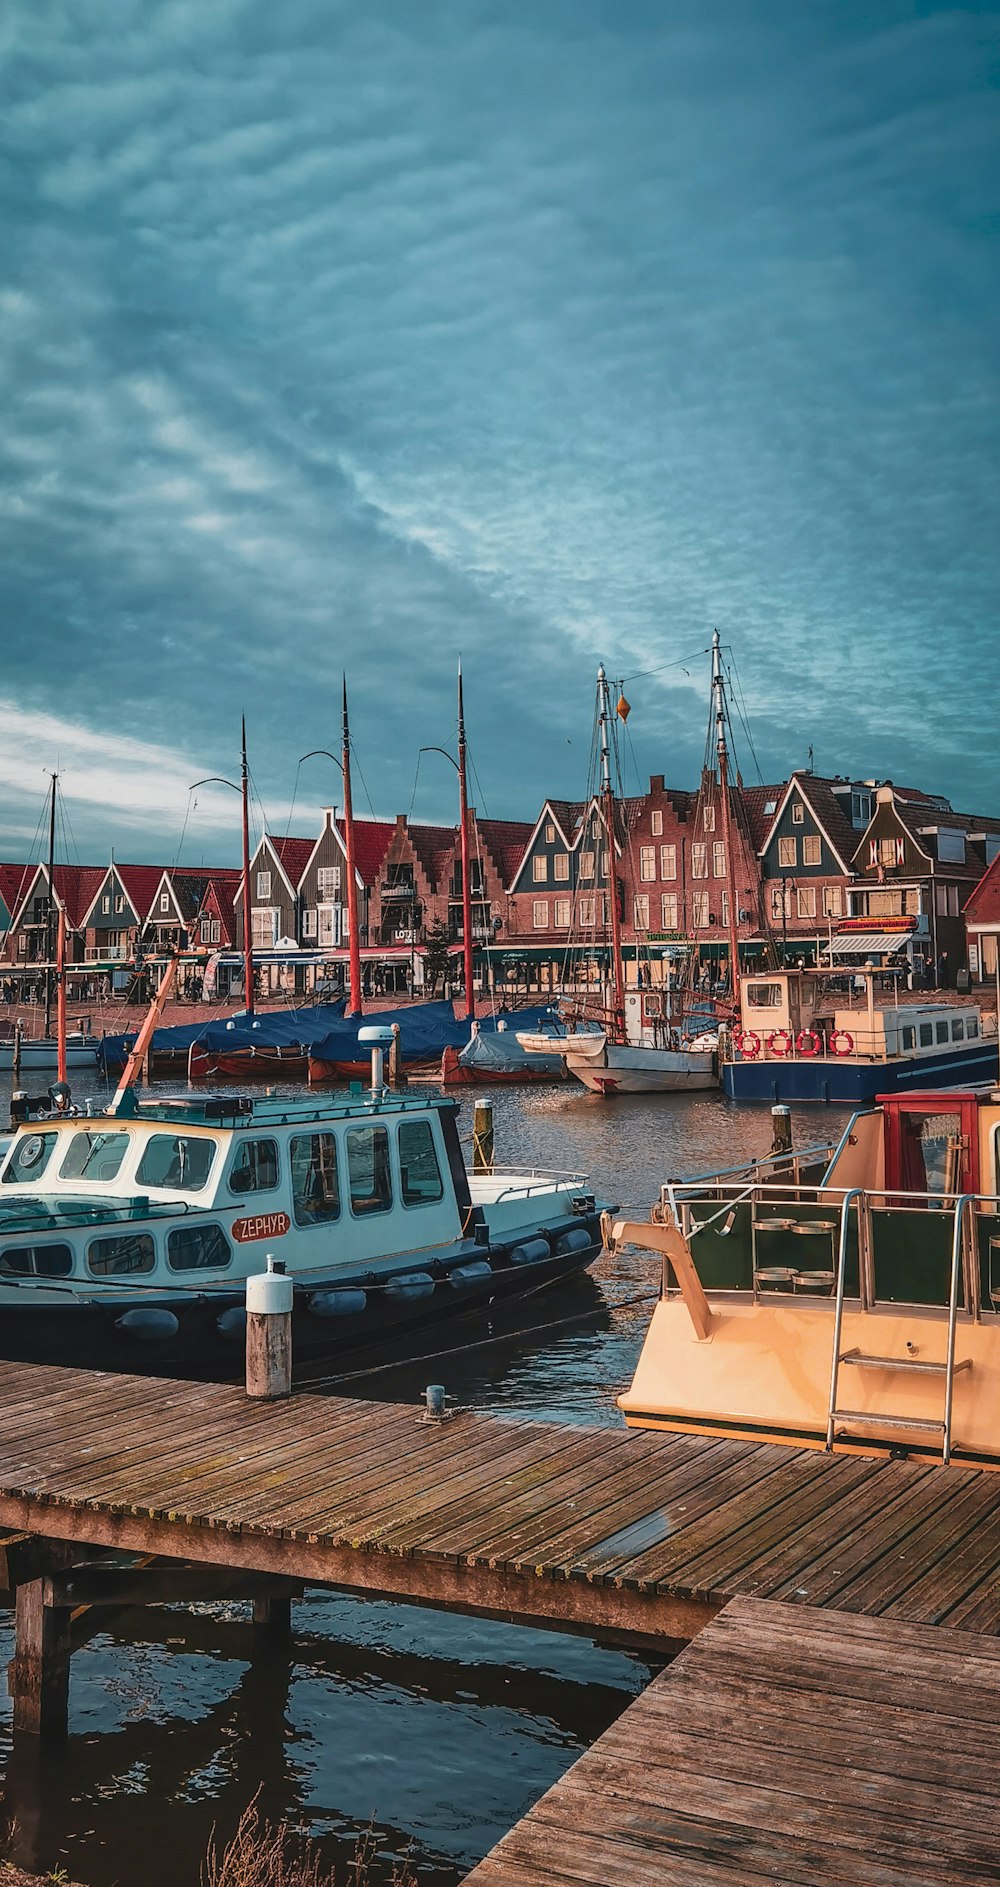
x,y
961,1203
855,1192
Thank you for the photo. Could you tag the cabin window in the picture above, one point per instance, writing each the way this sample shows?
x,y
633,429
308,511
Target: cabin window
x,y
315,1185
198,1248
908,1038
926,1035
958,1030
178,1161
419,1171
656,823
255,1167
118,1257
94,1156
29,1157
941,1031
36,1261
764,995
971,1027
368,1170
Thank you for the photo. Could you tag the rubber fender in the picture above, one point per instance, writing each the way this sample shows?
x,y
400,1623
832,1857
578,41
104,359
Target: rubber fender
x,y
476,1273
410,1284
232,1323
149,1324
344,1302
532,1252
576,1240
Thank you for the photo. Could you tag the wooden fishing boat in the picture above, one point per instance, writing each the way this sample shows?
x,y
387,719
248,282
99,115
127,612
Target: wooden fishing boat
x,y
844,1298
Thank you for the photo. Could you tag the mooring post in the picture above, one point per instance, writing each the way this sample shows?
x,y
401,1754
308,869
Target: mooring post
x,y
269,1332
273,1617
482,1137
38,1676
781,1130
16,1057
394,1063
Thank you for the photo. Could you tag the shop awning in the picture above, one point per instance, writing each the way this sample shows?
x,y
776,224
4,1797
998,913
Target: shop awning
x,y
865,943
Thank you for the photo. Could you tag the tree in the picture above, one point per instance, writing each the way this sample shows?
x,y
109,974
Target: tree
x,y
436,954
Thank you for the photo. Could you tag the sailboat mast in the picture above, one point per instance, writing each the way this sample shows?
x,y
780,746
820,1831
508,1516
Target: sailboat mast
x,y
247,912
354,1007
61,997
49,940
608,808
463,813
722,756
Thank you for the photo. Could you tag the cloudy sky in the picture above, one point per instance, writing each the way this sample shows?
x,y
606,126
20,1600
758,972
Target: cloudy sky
x,y
548,331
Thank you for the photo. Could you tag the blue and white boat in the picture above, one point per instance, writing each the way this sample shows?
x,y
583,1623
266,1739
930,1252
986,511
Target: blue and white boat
x,y
126,1237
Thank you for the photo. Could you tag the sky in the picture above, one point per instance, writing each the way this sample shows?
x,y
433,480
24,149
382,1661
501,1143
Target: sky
x,y
540,332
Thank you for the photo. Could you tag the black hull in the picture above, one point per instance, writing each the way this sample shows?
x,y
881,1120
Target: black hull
x,y
86,1335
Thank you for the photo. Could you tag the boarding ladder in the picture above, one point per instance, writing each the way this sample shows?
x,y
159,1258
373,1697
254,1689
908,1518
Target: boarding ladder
x,y
839,1418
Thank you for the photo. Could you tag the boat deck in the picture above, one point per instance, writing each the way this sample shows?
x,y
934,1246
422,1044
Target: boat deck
x,y
787,1745
597,1530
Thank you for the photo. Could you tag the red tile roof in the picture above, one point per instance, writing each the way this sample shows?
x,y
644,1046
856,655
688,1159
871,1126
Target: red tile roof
x,y
76,888
372,839
983,904
141,883
294,855
505,840
14,882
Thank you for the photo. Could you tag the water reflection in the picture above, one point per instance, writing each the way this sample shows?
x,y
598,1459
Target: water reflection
x,y
443,1729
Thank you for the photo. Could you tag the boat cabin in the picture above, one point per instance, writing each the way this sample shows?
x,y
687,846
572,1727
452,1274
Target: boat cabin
x,y
789,1012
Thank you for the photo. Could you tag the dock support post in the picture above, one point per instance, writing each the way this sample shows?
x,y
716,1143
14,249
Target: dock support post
x,y
273,1618
38,1677
781,1130
482,1138
395,1067
269,1333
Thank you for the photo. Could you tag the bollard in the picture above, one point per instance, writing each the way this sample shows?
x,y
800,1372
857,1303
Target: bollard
x,y
269,1332
396,1077
482,1138
16,1061
781,1130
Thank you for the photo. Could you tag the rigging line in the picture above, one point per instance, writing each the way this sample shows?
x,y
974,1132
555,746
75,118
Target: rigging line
x,y
413,795
736,692
645,673
191,803
361,777
291,809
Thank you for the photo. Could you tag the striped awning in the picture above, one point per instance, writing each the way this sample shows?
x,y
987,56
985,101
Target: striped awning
x,y
867,943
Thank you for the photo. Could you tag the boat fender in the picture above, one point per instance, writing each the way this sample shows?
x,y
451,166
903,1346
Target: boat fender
x,y
344,1302
149,1324
807,1042
576,1240
779,1044
475,1273
532,1252
232,1323
750,1046
410,1284
841,1042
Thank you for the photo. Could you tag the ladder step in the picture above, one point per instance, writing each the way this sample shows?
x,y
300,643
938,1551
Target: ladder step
x,y
861,1418
903,1362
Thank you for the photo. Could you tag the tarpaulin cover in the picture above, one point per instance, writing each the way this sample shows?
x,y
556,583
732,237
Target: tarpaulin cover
x,y
493,1051
276,1028
425,1030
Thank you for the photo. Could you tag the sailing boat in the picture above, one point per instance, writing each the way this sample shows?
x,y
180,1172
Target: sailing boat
x,y
643,1042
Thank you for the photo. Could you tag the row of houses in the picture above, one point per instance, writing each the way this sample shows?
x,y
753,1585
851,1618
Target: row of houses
x,y
822,868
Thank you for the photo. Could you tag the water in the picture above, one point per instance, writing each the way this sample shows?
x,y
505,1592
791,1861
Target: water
x,y
438,1730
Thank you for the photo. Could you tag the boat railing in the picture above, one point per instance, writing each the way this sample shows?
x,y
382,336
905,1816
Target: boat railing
x,y
523,1181
78,1216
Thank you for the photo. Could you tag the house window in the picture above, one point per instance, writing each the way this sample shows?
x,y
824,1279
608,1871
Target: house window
x,y
798,813
887,852
656,824
647,864
588,907
812,851
668,862
805,898
941,900
262,929
833,901
699,905
699,861
263,884
952,900
119,904
861,809
642,911
719,859
560,868
165,903
309,922
780,901
708,818
788,854
725,909
106,903
327,881
550,835
586,864
540,914
562,913
539,868
668,910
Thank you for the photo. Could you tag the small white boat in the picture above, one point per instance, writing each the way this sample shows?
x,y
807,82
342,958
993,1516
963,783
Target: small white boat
x,y
42,1051
653,1059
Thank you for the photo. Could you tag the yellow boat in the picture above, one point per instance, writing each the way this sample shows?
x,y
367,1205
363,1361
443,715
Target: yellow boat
x,y
844,1298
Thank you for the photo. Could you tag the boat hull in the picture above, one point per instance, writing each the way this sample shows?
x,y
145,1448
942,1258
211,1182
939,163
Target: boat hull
x,y
46,1055
848,1082
612,1068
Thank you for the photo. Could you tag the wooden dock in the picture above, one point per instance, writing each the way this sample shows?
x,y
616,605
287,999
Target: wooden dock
x,y
787,1745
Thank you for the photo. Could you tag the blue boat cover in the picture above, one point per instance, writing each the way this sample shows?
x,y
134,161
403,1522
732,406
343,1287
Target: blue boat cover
x,y
425,1030
277,1028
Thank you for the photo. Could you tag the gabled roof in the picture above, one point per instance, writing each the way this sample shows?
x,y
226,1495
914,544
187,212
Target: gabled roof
x,y
505,840
294,856
756,800
14,882
827,811
982,906
140,884
219,891
372,839
75,886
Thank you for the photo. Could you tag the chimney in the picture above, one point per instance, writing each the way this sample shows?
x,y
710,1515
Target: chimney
x,y
656,782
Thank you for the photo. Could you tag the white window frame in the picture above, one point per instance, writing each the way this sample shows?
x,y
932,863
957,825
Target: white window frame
x,y
539,868
560,868
540,914
263,887
699,859
719,859
647,864
788,854
668,910
656,823
641,910
668,863
812,844
562,913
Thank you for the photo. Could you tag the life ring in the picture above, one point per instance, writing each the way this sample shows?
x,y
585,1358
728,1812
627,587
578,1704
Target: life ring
x,y
782,1036
807,1042
750,1046
841,1036
736,1038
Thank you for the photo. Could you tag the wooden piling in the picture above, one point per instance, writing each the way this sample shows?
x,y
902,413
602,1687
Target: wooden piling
x,y
781,1130
16,1060
272,1617
395,1069
38,1676
269,1333
482,1137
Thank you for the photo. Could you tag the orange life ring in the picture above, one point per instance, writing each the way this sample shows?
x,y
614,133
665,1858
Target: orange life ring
x,y
750,1046
838,1036
782,1036
807,1042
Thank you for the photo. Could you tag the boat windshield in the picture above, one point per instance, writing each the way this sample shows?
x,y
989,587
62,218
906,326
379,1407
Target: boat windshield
x,y
29,1157
94,1156
181,1161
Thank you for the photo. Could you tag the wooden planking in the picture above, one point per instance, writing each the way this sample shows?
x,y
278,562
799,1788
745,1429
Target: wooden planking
x,y
483,1511
785,1745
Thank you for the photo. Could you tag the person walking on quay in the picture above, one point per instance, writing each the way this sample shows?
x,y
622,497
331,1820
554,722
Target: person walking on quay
x,y
942,970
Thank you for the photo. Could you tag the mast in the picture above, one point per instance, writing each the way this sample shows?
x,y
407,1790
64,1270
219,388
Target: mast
x,y
463,810
608,809
247,913
722,755
61,997
49,939
354,1006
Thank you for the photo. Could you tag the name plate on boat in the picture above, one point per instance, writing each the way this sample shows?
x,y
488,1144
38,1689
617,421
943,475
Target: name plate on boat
x,y
265,1225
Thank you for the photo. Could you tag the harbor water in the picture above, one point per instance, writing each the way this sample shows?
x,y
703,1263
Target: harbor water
x,y
437,1731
